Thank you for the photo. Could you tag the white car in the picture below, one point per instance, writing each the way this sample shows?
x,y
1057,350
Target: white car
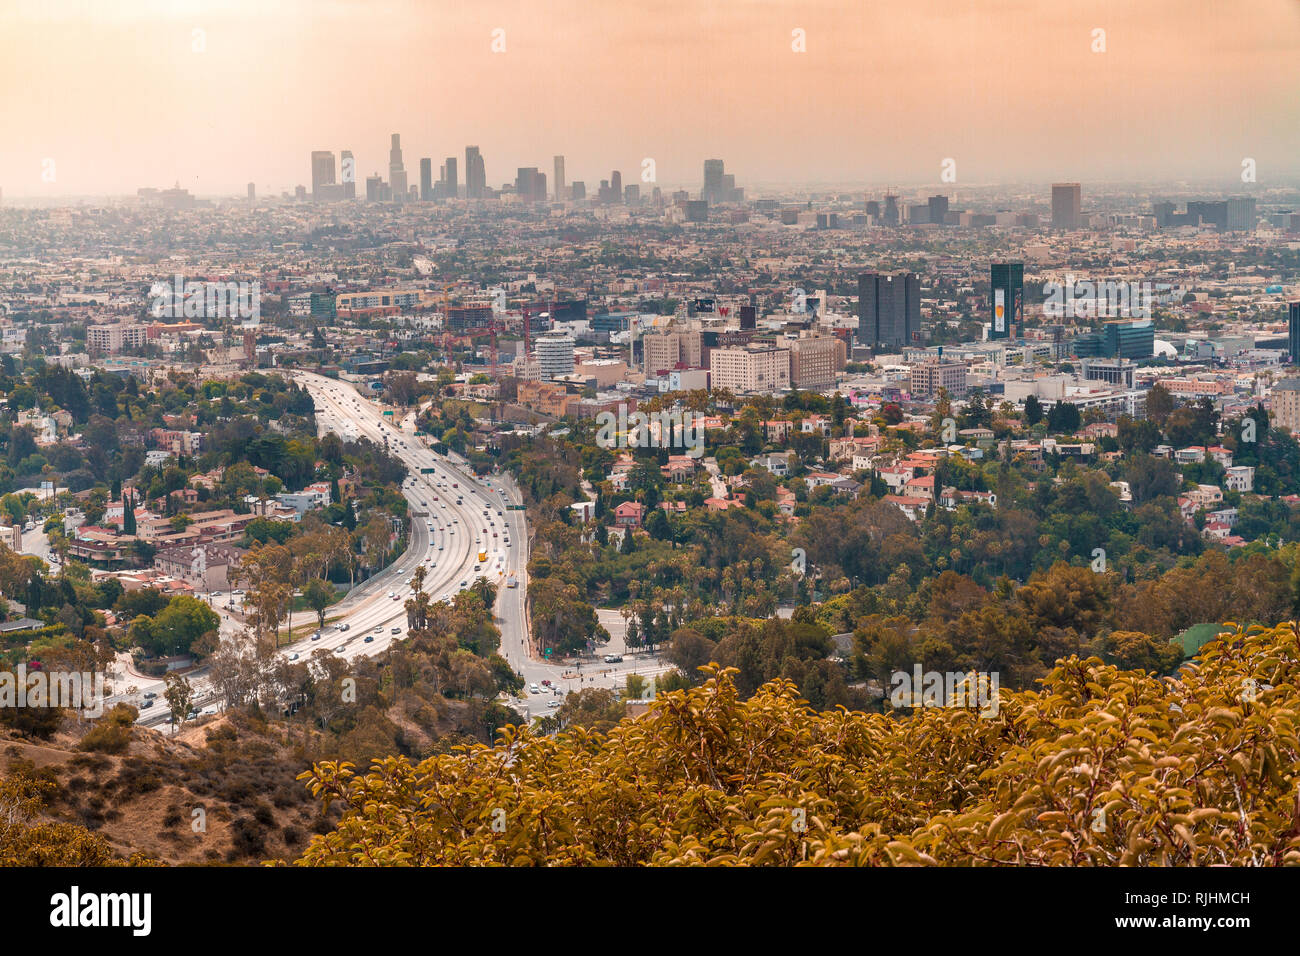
x,y
534,689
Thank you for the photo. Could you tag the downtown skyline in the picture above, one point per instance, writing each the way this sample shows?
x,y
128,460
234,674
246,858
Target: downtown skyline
x,y
1014,94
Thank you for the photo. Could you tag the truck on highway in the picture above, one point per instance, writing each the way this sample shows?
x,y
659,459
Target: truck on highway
x,y
482,556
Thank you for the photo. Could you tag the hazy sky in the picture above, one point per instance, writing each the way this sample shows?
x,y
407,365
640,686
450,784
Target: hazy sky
x,y
116,94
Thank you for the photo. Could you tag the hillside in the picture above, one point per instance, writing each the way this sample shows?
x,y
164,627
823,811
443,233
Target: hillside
x,y
1098,767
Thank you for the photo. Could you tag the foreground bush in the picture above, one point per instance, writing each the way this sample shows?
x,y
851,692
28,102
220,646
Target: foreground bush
x,y
1098,767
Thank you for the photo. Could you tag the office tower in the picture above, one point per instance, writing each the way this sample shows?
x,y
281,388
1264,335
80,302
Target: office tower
x,y
322,173
555,353
396,171
1163,212
300,192
1293,333
748,317
616,186
697,210
1007,280
1065,206
349,175
889,308
426,180
890,214
873,209
938,209
560,193
530,184
577,190
1211,213
713,175
374,188
1240,215
252,191
475,173
448,185
632,194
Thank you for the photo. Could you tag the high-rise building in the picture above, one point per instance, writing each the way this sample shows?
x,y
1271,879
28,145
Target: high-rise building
x,y
696,210
448,185
322,173
560,193
752,368
713,176
889,308
1240,215
938,209
1065,205
475,173
349,169
530,184
1007,281
1285,401
1209,212
577,190
1293,333
555,353
664,351
816,360
890,214
252,191
396,171
426,179
616,187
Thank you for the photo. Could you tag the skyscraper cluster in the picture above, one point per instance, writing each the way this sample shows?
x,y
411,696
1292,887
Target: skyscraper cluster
x,y
324,186
719,185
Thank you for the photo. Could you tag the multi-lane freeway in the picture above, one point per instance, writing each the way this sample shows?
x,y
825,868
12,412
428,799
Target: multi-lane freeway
x,y
454,517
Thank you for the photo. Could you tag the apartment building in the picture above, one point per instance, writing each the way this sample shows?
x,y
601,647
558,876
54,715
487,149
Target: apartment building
x,y
664,351
750,369
928,377
1286,404
108,339
815,361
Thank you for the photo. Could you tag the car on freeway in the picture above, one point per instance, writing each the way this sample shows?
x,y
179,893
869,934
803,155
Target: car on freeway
x,y
316,636
552,703
397,629
293,657
346,627
146,705
370,638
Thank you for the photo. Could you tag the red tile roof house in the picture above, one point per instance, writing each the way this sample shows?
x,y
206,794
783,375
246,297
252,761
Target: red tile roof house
x,y
914,508
922,487
629,514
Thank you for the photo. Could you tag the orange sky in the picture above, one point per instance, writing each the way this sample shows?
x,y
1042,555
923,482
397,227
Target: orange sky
x,y
114,93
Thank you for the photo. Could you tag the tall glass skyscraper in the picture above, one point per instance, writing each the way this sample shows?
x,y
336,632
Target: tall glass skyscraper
x,y
1007,300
